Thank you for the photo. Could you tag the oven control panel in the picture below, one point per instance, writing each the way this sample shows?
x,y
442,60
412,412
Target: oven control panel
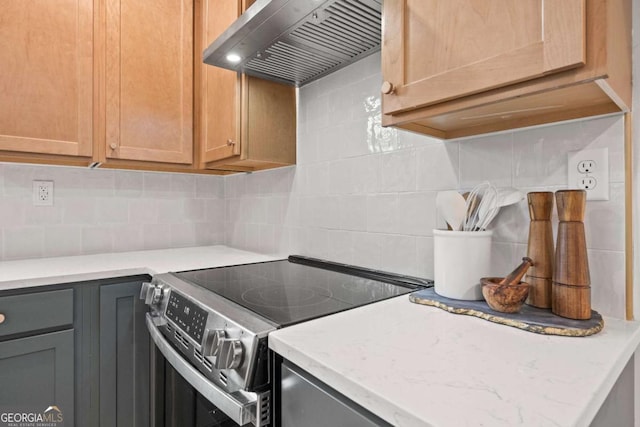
x,y
187,315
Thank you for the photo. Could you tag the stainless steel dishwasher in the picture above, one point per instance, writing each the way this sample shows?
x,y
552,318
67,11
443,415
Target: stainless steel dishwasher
x,y
306,401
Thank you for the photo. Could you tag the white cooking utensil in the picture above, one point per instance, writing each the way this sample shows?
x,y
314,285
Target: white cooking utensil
x,y
476,198
451,206
506,197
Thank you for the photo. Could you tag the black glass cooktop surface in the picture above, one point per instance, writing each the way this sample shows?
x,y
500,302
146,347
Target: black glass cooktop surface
x,y
287,292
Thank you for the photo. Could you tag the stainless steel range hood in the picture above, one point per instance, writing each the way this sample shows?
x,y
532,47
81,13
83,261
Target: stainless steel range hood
x,y
298,41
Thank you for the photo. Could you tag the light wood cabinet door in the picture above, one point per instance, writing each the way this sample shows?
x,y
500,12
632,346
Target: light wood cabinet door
x,y
245,123
149,80
435,50
220,89
46,76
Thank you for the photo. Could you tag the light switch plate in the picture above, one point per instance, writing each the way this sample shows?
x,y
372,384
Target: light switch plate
x,y
589,171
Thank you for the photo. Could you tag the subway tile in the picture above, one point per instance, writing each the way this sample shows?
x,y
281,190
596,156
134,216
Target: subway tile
x,y
486,158
607,271
13,211
234,186
193,210
183,235
398,172
207,233
353,212
183,185
399,254
276,210
605,221
214,210
505,257
437,166
317,178
18,180
382,211
306,146
128,184
156,185
98,182
23,242
78,211
43,215
340,246
112,210
169,210
97,239
340,173
367,250
415,214
156,236
424,257
143,211
210,187
127,238
417,140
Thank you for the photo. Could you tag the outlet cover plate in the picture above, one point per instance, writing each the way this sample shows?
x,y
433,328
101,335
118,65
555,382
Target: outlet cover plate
x,y
597,167
42,193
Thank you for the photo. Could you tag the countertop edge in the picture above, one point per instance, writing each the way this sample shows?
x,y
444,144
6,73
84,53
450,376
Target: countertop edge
x,y
612,375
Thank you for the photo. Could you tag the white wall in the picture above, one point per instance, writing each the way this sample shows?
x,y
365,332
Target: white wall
x,y
106,211
365,195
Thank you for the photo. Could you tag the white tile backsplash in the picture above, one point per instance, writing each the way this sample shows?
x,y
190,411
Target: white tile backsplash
x,y
98,211
365,195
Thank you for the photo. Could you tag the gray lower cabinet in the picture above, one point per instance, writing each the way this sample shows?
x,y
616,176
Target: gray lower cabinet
x,y
124,357
37,372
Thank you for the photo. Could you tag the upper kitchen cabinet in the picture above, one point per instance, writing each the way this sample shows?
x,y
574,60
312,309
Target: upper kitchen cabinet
x,y
459,68
149,81
243,123
46,79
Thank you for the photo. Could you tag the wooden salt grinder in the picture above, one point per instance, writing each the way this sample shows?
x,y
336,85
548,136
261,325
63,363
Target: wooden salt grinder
x,y
571,289
540,249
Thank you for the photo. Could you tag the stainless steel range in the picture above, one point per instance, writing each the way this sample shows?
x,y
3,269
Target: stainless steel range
x,y
212,325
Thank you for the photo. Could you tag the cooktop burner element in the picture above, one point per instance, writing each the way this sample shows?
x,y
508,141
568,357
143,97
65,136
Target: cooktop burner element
x,y
291,291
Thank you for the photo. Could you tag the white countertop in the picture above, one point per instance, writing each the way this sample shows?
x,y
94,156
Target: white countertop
x,y
49,271
415,365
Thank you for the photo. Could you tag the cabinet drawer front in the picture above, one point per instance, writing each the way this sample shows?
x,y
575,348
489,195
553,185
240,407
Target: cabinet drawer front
x,y
32,312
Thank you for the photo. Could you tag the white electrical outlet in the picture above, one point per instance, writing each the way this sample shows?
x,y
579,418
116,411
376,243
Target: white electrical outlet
x,y
42,193
589,171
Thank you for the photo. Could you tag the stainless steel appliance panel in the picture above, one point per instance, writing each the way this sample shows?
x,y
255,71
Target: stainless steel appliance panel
x,y
308,402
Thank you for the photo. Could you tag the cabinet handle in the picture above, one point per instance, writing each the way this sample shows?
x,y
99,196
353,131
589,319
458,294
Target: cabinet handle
x,y
387,88
113,145
230,142
2,318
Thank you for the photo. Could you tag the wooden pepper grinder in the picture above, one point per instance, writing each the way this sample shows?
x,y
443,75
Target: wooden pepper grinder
x,y
571,291
540,249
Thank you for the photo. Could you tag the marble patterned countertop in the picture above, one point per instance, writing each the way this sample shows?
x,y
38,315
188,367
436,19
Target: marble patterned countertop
x,y
412,365
415,365
50,271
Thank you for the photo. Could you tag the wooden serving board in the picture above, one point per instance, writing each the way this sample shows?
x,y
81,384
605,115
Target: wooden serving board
x,y
531,319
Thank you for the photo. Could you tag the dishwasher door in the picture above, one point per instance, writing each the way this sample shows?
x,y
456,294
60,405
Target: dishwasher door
x,y
306,401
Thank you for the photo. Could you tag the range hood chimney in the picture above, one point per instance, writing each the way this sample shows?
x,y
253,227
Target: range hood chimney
x,y
298,41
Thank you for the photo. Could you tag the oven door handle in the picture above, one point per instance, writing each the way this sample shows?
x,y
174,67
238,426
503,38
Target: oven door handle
x,y
239,406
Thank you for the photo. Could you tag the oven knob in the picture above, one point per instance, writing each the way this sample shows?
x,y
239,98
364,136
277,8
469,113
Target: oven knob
x,y
144,289
153,296
229,355
212,340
